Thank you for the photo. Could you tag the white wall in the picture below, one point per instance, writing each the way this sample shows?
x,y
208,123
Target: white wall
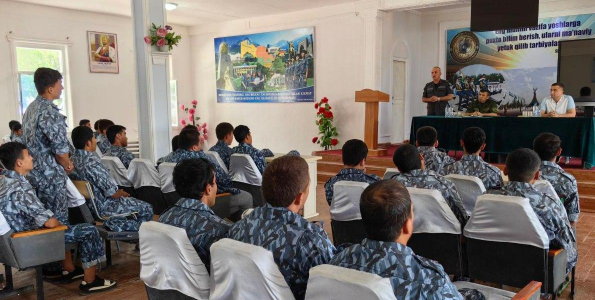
x,y
94,95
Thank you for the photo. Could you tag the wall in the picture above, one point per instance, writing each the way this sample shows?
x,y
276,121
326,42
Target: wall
x,y
94,95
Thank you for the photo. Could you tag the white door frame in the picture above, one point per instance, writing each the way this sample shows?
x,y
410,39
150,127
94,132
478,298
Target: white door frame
x,y
395,56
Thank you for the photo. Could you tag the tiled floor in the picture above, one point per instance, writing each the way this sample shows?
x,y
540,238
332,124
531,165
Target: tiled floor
x,y
126,270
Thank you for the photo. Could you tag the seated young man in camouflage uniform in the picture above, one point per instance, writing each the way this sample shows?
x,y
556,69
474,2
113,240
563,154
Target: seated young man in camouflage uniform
x,y
7,138
17,133
116,135
196,183
244,138
297,245
354,154
97,133
224,133
548,147
102,142
24,211
426,140
414,174
191,148
471,164
522,168
109,199
387,215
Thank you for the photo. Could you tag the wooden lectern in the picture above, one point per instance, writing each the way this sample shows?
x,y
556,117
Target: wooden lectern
x,y
372,98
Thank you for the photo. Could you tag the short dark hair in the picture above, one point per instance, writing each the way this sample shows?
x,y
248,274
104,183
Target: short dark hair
x,y
190,127
585,91
112,131
385,206
188,138
240,133
406,158
522,164
45,78
558,84
10,152
426,136
353,152
96,125
223,129
283,179
80,136
16,127
486,91
191,177
104,124
174,143
83,122
546,145
473,138
12,123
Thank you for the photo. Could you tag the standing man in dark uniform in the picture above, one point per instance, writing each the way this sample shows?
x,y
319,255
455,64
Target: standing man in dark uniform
x,y
437,93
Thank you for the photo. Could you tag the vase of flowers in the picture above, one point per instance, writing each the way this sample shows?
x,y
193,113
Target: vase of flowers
x,y
162,37
193,119
326,130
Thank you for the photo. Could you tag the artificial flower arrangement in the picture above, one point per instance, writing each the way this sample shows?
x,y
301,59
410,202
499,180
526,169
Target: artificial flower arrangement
x,y
326,129
162,36
193,119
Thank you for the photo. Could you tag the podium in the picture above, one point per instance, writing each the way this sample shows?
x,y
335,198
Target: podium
x,y
372,100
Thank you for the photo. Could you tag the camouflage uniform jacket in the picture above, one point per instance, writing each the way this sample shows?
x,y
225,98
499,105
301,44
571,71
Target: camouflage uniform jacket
x,y
297,245
473,165
103,144
565,186
202,226
347,174
44,133
257,156
120,152
411,276
551,215
435,160
17,139
427,179
224,184
224,152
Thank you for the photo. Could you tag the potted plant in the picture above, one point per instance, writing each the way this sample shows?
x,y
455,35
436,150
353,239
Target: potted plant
x,y
326,129
162,37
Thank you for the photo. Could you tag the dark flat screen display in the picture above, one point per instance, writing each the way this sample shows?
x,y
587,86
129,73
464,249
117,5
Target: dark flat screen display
x,y
490,15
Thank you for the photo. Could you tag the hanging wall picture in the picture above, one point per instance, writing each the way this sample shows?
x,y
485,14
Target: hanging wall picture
x,y
103,52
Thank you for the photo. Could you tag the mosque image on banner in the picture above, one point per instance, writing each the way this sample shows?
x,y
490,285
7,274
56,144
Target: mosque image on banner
x,y
517,66
275,66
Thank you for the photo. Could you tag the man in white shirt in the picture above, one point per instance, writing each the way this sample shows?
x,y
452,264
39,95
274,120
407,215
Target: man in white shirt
x,y
558,105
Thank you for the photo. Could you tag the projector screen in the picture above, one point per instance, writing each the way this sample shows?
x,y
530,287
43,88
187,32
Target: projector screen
x,y
576,65
490,15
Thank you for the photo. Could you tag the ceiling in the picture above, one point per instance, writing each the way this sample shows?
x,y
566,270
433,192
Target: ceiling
x,y
197,12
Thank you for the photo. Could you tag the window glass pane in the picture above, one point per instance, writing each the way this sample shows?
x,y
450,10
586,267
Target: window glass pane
x,y
173,91
28,91
29,59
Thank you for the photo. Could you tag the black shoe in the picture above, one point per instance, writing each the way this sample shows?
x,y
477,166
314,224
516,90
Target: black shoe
x,y
98,285
77,274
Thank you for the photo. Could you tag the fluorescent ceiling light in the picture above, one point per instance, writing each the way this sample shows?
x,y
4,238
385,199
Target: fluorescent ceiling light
x,y
170,6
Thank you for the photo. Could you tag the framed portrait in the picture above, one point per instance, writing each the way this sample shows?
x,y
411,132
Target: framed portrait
x,y
103,52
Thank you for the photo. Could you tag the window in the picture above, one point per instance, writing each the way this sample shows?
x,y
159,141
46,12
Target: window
x,y
173,94
28,57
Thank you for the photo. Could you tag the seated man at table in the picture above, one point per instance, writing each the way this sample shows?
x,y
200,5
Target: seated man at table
x,y
471,164
548,147
426,139
387,216
483,106
116,135
103,143
522,169
414,174
191,148
196,183
224,132
111,202
354,154
24,211
558,105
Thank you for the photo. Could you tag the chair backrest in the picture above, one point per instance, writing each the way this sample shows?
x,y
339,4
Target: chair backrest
x,y
166,172
506,219
390,172
244,271
243,169
332,282
75,198
431,213
469,188
117,170
170,262
216,157
141,172
346,196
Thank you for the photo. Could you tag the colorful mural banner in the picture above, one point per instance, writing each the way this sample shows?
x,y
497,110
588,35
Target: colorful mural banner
x,y
275,66
516,65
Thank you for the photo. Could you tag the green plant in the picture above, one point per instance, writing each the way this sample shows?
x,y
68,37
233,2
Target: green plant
x,y
326,130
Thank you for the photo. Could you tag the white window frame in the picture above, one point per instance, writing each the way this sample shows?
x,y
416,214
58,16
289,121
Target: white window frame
x,y
64,47
177,106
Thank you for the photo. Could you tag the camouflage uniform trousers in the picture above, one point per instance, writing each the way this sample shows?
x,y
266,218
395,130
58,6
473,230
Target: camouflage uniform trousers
x,y
125,206
88,241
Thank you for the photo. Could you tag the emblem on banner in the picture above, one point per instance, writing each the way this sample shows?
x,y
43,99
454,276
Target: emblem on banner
x,y
464,47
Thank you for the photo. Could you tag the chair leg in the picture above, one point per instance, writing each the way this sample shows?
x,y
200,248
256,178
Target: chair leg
x,y
108,253
39,281
572,282
9,283
118,246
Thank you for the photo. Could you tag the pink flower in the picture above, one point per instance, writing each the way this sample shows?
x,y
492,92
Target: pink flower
x,y
191,111
182,107
194,102
161,32
183,122
161,42
204,125
204,130
206,136
190,118
148,40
